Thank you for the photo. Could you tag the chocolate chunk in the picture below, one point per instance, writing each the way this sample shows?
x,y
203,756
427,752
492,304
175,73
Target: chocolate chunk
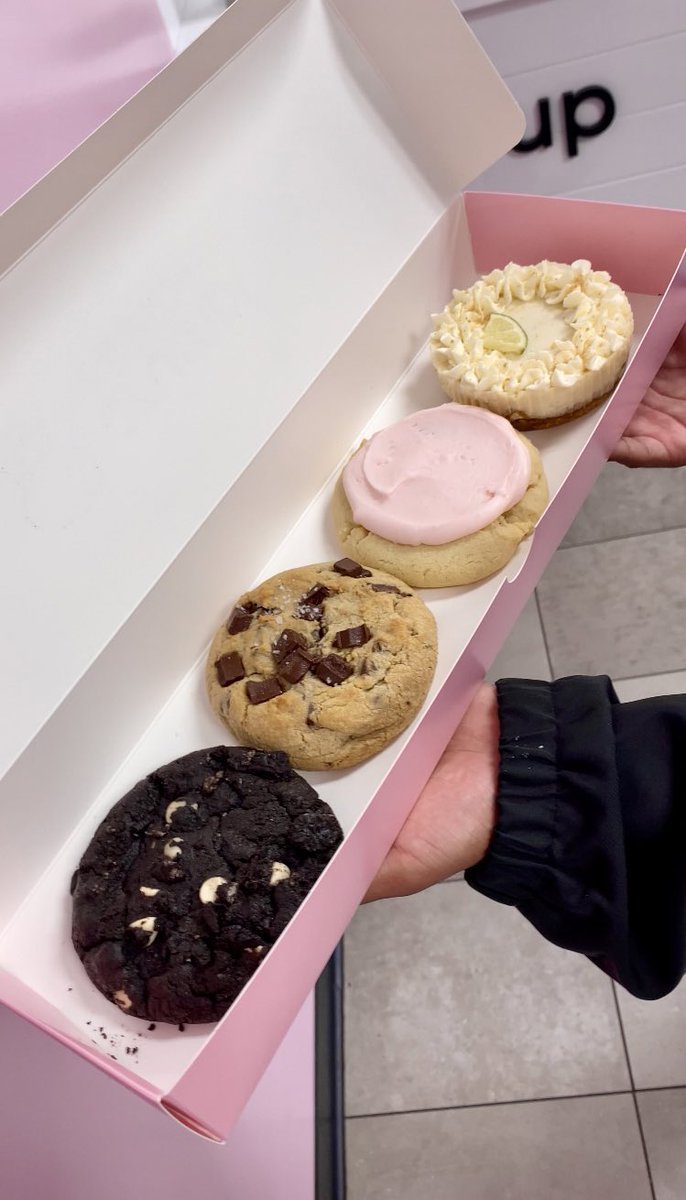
x,y
229,669
347,639
332,670
387,587
293,668
289,640
316,596
348,566
241,618
261,690
310,605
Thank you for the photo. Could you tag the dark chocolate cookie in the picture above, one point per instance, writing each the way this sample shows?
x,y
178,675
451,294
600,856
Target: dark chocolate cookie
x,y
191,878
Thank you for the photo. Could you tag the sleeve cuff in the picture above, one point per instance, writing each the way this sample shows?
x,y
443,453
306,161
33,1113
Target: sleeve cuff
x,y
527,792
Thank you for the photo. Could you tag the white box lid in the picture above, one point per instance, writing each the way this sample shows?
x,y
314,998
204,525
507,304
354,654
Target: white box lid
x,y
167,323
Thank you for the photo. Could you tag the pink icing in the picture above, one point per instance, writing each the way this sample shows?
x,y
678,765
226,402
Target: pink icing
x,y
437,475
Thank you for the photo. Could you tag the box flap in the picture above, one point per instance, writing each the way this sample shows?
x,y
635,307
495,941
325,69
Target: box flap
x,y
452,108
161,331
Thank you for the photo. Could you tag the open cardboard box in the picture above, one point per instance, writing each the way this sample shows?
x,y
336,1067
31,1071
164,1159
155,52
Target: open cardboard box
x,y
236,286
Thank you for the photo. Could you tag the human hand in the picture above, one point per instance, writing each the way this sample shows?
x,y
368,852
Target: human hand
x,y
656,434
450,827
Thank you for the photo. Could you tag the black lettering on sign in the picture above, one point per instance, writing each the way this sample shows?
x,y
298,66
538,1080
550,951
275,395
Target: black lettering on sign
x,y
572,101
544,137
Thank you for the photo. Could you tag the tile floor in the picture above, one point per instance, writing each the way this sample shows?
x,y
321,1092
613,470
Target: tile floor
x,y
481,1062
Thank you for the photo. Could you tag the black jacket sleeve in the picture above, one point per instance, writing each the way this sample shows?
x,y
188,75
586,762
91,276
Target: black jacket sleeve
x,y
590,839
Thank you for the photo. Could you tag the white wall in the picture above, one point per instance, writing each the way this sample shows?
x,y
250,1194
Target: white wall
x,y
634,48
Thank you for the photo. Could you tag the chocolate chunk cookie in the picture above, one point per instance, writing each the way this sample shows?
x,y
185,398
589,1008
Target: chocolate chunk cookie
x,y
328,662
191,878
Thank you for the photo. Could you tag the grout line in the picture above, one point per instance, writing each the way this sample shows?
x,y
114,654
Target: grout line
x,y
412,1112
633,1089
544,634
623,1035
622,537
662,1087
648,675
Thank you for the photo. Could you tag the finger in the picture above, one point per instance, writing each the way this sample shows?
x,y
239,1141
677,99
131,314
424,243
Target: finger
x,y
641,452
398,875
479,717
451,823
627,453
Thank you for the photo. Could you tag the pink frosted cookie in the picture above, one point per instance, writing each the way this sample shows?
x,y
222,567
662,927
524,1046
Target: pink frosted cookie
x,y
442,498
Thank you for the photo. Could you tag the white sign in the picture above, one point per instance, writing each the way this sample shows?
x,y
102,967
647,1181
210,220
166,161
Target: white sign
x,y
627,140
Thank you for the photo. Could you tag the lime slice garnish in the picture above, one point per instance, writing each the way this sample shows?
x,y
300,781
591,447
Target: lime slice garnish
x,y
504,334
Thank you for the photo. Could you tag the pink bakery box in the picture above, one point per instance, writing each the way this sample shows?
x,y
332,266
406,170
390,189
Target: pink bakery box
x,y
205,307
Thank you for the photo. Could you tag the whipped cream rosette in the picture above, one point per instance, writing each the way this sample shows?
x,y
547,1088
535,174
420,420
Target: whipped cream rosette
x,y
441,498
539,344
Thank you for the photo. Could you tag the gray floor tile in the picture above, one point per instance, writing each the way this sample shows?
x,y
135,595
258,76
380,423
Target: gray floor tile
x,y
618,607
671,684
655,1033
663,1115
588,1149
524,654
452,999
630,501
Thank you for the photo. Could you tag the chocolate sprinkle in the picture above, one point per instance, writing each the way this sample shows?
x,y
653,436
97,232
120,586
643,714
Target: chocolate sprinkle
x,y
332,670
293,668
347,639
261,690
348,566
287,641
229,669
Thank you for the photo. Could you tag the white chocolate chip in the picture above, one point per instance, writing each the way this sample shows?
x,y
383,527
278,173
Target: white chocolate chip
x,y
254,951
146,891
280,872
147,924
195,806
208,890
172,848
171,809
123,1000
